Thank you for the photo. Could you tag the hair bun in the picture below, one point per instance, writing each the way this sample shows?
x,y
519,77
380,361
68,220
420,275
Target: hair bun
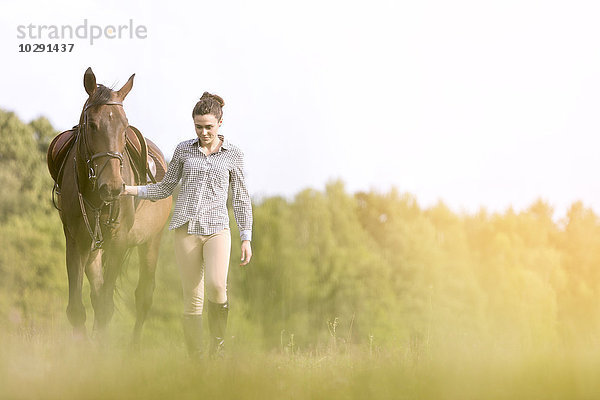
x,y
218,99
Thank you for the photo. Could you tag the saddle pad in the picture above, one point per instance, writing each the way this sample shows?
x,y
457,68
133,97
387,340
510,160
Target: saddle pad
x,y
58,150
155,154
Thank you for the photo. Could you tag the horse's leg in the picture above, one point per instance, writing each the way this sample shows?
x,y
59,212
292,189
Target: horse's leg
x,y
93,270
112,262
148,255
75,265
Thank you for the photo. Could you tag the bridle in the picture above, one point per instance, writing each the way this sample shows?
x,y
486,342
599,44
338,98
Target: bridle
x,y
93,174
89,160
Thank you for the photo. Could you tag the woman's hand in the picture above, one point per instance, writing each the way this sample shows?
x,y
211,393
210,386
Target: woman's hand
x,y
129,190
246,252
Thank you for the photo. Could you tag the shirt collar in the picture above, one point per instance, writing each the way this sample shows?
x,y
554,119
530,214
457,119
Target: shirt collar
x,y
224,145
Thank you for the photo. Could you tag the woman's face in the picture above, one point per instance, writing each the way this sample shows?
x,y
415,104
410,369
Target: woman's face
x,y
207,128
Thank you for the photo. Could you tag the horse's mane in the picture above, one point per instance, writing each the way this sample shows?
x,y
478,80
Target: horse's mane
x,y
100,96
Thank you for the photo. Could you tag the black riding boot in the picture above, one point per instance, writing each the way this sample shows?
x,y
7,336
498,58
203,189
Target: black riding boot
x,y
192,332
217,324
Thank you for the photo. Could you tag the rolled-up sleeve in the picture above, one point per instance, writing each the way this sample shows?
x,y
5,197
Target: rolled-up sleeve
x,y
242,207
164,188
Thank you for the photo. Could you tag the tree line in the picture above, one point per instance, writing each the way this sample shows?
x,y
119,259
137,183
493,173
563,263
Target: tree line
x,y
332,265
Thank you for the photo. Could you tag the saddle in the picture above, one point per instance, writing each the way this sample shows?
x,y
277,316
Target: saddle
x,y
145,157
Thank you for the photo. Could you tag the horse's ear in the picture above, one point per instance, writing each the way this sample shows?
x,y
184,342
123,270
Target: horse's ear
x,y
89,81
126,88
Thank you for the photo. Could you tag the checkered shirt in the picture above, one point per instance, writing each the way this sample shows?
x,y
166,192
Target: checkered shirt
x,y
205,182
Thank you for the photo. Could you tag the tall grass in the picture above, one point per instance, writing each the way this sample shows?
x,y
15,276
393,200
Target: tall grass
x,y
50,365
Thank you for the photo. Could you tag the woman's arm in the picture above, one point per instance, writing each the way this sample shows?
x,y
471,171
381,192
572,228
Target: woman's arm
x,y
164,188
242,207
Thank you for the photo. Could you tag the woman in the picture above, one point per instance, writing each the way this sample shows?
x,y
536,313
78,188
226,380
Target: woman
x,y
207,166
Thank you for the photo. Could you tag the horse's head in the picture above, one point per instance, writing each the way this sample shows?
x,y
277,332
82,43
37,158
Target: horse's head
x,y
103,128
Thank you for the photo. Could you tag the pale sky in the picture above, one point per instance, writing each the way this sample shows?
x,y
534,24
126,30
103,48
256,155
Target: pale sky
x,y
476,103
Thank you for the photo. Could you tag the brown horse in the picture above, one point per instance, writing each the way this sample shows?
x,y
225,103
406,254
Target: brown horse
x,y
100,226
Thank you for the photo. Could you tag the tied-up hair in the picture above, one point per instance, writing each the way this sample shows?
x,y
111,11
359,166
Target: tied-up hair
x,y
209,104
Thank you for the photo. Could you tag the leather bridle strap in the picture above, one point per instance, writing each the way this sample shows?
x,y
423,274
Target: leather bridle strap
x,y
93,175
110,103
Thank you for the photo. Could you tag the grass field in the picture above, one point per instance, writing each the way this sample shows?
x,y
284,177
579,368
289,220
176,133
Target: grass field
x,y
52,366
